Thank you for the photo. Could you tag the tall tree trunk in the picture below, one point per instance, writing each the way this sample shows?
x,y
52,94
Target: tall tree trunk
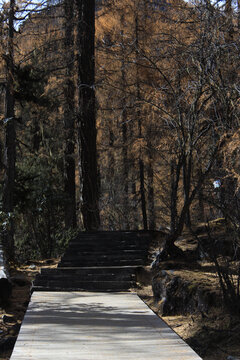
x,y
110,177
151,203
134,195
150,182
228,6
10,138
187,172
175,175
69,118
229,22
36,138
238,14
86,120
170,247
124,135
200,200
125,175
139,120
142,193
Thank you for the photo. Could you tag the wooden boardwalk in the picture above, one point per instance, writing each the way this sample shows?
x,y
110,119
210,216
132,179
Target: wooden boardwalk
x,y
95,326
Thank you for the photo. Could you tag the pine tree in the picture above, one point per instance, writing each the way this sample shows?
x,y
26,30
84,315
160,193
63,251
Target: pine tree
x,y
10,136
86,119
69,117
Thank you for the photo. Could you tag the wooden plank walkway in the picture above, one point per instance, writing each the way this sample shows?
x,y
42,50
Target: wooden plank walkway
x,y
95,326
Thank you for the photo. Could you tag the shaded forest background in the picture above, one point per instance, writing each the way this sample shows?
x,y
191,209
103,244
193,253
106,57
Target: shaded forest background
x,y
131,135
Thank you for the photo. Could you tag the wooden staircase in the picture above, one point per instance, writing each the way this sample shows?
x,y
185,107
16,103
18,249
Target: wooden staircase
x,y
98,261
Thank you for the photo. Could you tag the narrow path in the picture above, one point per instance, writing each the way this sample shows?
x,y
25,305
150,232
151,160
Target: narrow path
x,y
95,326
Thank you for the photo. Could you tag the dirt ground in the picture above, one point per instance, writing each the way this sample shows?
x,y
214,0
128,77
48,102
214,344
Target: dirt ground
x,y
12,317
214,335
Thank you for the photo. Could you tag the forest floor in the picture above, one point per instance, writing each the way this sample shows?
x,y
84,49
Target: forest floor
x,y
214,334
12,317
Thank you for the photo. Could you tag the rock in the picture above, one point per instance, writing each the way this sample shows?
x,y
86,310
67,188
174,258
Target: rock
x,y
223,245
32,267
175,295
20,280
5,291
9,319
159,256
165,229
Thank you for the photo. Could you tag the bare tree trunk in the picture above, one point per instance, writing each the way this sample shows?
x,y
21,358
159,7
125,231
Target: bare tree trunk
x,y
125,175
134,194
175,175
200,200
150,172
238,14
10,138
151,203
170,247
69,118
124,136
228,6
140,160
36,136
187,172
86,117
110,176
229,21
142,193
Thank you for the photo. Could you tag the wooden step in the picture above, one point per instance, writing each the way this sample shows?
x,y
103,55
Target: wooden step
x,y
118,246
101,262
62,285
98,261
87,274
